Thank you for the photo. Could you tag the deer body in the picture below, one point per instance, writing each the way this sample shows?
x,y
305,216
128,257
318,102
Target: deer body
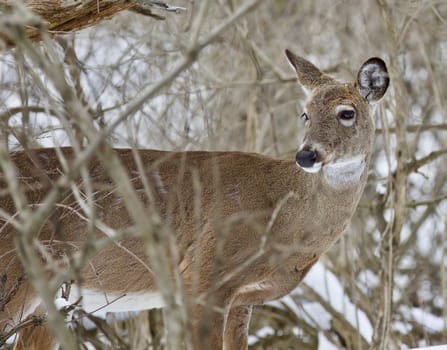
x,y
247,234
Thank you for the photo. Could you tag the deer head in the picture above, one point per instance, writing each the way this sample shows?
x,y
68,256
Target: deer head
x,y
337,119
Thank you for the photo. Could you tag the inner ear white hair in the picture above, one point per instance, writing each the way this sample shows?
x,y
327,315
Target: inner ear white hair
x,y
373,79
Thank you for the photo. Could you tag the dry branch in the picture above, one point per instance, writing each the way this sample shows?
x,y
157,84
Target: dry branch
x,y
418,163
417,128
391,238
66,16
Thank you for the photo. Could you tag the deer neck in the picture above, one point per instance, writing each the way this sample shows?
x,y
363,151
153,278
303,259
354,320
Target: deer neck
x,y
319,213
336,189
343,180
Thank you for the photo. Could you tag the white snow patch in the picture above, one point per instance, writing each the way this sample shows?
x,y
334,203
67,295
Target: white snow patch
x,y
261,333
311,312
381,187
319,315
388,214
329,287
438,301
402,327
367,279
425,237
324,343
430,322
60,303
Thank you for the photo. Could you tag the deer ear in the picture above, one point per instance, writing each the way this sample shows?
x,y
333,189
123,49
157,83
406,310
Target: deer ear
x,y
373,79
309,76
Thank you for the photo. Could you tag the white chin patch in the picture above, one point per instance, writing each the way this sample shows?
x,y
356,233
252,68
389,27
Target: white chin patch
x,y
344,172
313,169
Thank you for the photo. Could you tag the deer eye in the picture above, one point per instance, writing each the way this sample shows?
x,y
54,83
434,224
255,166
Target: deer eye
x,y
346,116
304,117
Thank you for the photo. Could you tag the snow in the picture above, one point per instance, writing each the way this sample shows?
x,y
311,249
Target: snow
x,y
327,285
312,312
430,322
367,279
402,327
60,303
324,343
425,237
261,333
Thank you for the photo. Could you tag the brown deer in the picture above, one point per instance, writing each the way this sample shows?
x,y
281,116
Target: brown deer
x,y
261,224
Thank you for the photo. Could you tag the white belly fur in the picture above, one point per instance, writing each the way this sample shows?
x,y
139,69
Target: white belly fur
x,y
99,302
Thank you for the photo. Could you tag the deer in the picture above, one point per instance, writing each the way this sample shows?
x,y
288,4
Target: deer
x,y
264,221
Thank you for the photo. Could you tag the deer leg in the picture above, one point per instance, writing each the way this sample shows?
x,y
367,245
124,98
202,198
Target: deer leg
x,y
236,328
208,327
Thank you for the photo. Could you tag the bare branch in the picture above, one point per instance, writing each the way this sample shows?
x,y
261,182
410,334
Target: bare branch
x,y
416,164
417,128
62,17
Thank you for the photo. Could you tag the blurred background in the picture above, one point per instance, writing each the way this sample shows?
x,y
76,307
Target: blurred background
x,y
383,285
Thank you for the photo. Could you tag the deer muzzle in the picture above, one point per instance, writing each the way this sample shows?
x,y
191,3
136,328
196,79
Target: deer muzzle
x,y
308,160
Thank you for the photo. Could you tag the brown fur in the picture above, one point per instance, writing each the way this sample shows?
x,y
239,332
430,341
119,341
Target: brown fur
x,y
239,198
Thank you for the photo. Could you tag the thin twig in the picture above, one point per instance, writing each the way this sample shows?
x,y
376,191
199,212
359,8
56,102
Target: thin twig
x,y
417,128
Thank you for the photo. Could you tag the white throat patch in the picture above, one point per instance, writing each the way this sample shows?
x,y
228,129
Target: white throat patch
x,y
344,172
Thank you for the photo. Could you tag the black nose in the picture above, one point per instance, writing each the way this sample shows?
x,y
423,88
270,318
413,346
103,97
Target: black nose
x,y
306,159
